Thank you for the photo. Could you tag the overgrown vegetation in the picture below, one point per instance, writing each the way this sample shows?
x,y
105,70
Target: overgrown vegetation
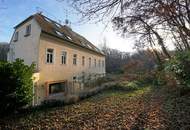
x,y
15,85
4,48
179,66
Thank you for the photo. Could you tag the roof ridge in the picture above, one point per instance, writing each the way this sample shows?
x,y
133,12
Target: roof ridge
x,y
50,26
49,19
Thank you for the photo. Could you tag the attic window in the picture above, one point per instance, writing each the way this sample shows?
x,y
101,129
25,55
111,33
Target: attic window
x,y
89,46
59,33
58,25
83,43
69,37
97,49
48,20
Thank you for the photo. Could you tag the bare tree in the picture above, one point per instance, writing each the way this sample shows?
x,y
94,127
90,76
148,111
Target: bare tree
x,y
150,21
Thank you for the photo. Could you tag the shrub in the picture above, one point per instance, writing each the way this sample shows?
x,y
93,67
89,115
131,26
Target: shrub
x,y
97,82
179,66
15,85
160,78
126,86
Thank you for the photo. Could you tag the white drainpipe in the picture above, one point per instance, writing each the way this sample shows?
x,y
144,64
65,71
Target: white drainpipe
x,y
33,103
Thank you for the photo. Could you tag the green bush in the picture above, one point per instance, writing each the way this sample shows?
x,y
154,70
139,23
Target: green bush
x,y
127,86
15,85
179,66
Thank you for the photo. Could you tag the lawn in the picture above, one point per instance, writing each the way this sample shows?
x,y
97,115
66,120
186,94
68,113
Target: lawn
x,y
145,108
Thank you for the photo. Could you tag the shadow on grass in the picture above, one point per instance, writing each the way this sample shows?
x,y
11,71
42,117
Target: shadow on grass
x,y
177,107
173,107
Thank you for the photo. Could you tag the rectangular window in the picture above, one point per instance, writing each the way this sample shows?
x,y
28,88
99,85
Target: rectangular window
x,y
74,59
16,36
103,63
28,30
57,88
94,62
49,55
89,62
63,57
83,60
99,63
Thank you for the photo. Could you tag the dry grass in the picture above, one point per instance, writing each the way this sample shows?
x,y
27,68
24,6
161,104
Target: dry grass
x,y
145,108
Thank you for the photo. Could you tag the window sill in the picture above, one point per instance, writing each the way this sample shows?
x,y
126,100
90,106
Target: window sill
x,y
15,40
26,35
49,63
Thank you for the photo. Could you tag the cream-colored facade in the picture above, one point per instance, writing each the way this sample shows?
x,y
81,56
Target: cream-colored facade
x,y
33,48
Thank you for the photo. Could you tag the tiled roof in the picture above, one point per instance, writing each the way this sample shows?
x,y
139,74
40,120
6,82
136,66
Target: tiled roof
x,y
62,31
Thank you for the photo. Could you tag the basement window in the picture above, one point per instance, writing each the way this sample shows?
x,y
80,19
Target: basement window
x,y
57,88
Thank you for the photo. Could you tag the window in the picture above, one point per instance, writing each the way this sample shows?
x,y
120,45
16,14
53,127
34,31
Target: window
x,y
69,38
63,57
16,36
83,60
57,88
94,62
74,78
99,63
47,19
58,25
89,46
59,33
89,62
49,56
102,63
74,59
28,30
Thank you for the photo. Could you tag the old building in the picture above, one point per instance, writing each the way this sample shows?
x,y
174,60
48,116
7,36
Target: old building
x,y
61,55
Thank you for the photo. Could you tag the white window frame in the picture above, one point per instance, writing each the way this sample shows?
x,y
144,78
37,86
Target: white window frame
x,y
89,62
94,62
99,63
103,63
63,55
16,35
28,30
74,59
83,60
53,60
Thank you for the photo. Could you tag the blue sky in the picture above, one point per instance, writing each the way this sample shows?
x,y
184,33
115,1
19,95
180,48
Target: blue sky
x,y
13,12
